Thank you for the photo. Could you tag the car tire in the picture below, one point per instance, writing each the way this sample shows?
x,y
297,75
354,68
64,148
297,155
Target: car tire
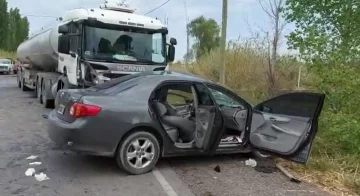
x,y
127,149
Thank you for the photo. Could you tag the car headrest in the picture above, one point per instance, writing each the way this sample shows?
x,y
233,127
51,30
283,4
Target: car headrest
x,y
160,108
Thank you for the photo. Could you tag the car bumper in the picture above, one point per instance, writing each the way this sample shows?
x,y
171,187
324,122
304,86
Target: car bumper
x,y
75,136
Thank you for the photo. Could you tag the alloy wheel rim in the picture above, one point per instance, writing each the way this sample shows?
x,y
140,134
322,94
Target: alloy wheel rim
x,y
140,153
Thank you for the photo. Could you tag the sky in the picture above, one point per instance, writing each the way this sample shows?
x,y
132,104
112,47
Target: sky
x,y
244,16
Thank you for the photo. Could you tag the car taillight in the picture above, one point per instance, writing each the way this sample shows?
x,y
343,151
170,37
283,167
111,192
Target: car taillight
x,y
78,110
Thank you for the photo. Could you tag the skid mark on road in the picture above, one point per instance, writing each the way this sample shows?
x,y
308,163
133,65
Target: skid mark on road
x,y
165,184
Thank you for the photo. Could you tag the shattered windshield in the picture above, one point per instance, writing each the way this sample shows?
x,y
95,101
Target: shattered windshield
x,y
117,45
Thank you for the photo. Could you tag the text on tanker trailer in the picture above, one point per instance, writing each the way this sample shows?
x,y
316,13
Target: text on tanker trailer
x,y
91,46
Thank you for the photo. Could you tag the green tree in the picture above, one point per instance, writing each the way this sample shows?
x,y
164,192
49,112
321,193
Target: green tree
x,y
325,30
3,23
206,33
18,29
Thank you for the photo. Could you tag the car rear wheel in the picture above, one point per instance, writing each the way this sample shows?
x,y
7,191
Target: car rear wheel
x,y
138,153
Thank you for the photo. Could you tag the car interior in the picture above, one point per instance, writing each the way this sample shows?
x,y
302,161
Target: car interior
x,y
175,108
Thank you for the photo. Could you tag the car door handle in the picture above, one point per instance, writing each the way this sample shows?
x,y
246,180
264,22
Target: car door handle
x,y
277,128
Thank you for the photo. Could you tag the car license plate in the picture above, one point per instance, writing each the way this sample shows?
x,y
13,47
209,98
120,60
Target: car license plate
x,y
61,109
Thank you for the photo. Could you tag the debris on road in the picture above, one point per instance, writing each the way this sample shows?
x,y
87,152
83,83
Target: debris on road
x,y
35,163
217,168
41,177
30,172
251,163
287,174
32,157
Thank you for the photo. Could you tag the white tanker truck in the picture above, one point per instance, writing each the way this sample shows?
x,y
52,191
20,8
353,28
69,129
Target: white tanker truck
x,y
91,46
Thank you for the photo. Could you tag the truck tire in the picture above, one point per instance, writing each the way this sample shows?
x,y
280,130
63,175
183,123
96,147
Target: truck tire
x,y
23,87
46,102
38,90
63,83
18,81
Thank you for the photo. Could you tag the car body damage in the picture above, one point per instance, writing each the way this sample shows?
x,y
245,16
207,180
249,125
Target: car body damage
x,y
142,117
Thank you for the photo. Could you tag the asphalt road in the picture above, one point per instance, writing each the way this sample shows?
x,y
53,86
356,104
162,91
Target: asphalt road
x,y
23,133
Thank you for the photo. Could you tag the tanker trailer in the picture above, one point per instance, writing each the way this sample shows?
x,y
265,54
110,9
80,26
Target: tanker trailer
x,y
86,47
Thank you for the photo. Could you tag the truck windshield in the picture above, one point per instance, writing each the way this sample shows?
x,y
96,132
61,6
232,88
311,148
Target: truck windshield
x,y
117,45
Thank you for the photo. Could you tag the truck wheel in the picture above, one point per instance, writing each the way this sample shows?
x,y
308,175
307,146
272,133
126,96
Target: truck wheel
x,y
38,91
46,102
18,81
23,87
138,153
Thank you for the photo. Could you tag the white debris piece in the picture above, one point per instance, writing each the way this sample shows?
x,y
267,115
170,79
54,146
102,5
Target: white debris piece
x,y
250,162
32,157
41,177
30,172
35,163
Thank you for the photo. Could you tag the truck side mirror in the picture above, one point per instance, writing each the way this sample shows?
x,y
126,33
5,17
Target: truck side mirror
x,y
63,29
171,53
64,44
173,41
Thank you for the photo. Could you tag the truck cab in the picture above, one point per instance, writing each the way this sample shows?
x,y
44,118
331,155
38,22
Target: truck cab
x,y
99,44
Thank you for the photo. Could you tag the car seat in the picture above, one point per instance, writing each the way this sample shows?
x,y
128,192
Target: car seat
x,y
176,126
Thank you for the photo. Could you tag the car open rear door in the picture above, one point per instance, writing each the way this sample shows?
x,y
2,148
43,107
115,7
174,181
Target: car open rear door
x,y
286,125
209,120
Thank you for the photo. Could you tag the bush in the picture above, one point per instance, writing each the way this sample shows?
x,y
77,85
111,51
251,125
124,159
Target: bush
x,y
5,54
246,69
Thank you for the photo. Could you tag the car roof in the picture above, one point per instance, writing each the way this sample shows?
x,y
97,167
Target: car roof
x,y
174,76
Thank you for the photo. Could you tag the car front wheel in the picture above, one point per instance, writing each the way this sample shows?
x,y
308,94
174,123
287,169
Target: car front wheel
x,y
138,153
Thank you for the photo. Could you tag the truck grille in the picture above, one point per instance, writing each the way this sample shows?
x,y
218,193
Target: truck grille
x,y
3,67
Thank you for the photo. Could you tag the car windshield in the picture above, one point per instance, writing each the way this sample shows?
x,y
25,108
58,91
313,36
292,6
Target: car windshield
x,y
116,45
5,61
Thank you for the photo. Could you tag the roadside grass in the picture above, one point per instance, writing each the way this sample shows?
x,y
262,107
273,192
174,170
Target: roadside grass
x,y
335,159
5,54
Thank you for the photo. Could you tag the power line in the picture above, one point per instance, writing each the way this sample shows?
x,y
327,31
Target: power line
x,y
34,15
157,7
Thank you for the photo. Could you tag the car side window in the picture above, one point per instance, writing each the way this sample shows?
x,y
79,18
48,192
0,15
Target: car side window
x,y
203,95
179,94
176,97
303,105
224,99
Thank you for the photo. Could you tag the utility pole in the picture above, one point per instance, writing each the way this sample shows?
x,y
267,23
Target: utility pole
x,y
187,35
223,42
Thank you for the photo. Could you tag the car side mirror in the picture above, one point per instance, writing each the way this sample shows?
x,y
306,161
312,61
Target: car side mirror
x,y
171,53
64,44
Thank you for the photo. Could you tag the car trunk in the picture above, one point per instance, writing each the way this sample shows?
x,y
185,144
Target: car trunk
x,y
65,99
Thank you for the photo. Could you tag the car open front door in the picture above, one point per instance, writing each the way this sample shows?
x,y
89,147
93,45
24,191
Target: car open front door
x,y
209,120
286,125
